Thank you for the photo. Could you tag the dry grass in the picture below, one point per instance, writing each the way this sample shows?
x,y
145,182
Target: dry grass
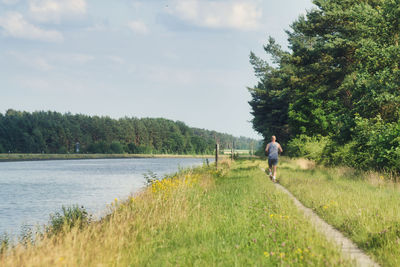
x,y
233,216
109,242
363,205
305,164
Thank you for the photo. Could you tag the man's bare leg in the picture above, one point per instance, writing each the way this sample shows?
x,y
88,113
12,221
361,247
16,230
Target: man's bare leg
x,y
274,173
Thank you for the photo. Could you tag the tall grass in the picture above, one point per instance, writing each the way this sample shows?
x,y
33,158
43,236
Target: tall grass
x,y
231,217
363,205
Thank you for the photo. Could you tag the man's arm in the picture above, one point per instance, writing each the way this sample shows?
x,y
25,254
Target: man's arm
x,y
280,148
266,149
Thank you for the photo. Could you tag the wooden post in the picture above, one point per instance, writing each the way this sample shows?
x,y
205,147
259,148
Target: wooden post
x,y
233,150
216,155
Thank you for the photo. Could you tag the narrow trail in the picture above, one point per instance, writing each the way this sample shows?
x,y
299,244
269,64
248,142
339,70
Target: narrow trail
x,y
349,249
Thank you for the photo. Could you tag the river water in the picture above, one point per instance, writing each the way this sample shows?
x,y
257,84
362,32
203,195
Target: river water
x,y
30,191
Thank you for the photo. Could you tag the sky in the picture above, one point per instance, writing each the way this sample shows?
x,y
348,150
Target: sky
x,y
185,60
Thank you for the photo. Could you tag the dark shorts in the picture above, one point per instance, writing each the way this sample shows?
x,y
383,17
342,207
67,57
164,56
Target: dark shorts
x,y
272,162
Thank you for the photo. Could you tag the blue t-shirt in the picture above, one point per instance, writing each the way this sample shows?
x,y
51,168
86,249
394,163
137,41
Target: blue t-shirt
x,y
273,150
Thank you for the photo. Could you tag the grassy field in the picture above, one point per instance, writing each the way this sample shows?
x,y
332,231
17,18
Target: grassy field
x,y
236,151
230,217
27,157
364,206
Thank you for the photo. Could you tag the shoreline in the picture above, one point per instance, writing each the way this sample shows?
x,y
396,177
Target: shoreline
x,y
168,212
45,157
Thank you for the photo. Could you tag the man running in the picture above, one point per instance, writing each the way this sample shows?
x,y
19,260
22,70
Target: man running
x,y
272,150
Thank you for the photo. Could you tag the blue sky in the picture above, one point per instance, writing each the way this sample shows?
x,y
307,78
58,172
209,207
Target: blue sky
x,y
183,60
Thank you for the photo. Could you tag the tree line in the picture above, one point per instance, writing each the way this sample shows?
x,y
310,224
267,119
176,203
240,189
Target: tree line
x,y
334,96
53,132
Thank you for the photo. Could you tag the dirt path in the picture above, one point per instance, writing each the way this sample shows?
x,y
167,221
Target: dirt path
x,y
349,249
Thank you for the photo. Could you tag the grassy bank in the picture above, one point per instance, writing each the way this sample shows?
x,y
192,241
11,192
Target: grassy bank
x,y
230,217
365,206
28,157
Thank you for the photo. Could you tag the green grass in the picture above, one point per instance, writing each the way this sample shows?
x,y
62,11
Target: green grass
x,y
230,217
236,151
362,205
243,221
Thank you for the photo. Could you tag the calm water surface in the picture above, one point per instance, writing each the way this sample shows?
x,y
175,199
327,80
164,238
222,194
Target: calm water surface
x,y
30,191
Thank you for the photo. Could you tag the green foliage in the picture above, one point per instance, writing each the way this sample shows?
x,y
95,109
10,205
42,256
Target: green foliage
x,y
335,154
52,132
116,148
150,177
377,143
68,218
270,97
4,243
62,150
307,147
340,80
27,236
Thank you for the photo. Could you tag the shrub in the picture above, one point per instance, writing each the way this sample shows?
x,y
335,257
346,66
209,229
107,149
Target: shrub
x,y
116,147
68,218
100,147
376,144
338,154
4,243
307,147
62,150
27,236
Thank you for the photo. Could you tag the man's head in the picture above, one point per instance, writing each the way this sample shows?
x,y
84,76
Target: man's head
x,y
273,138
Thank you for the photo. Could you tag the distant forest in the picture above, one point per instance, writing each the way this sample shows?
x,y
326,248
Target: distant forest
x,y
53,132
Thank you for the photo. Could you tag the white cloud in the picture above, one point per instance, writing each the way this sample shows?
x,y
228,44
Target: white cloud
x,y
55,10
138,27
74,59
137,4
116,59
9,2
97,27
15,25
235,14
35,62
51,61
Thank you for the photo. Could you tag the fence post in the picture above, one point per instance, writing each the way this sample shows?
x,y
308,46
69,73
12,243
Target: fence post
x,y
233,150
216,155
